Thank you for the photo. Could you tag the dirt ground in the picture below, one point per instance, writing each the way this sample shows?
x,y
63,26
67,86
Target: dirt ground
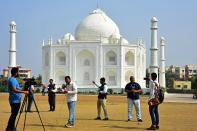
x,y
173,116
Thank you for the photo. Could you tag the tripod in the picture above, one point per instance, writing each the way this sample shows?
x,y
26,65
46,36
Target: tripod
x,y
24,105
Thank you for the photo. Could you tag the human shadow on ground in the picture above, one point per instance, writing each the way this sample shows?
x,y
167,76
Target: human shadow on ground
x,y
126,127
45,125
99,120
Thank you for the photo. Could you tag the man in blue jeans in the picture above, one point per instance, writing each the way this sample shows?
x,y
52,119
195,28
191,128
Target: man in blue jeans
x,y
71,95
15,95
133,90
153,109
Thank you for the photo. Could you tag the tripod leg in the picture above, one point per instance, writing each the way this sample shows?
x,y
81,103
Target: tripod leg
x,y
25,116
38,114
21,110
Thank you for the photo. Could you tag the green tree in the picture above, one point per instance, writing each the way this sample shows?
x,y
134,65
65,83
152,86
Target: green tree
x,y
194,82
38,80
170,77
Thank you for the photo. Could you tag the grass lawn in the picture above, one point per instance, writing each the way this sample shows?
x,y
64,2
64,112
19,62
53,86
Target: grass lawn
x,y
173,116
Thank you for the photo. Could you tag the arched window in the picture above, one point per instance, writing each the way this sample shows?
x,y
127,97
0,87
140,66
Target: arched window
x,y
129,58
111,77
111,58
86,62
85,67
46,59
60,58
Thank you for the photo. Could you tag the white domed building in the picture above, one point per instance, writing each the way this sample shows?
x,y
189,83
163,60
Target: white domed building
x,y
96,50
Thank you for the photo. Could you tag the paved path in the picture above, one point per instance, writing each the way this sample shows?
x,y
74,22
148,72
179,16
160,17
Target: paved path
x,y
182,98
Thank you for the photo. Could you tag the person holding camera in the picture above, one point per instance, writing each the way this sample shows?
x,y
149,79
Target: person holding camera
x,y
15,95
70,90
133,90
29,87
51,95
153,108
102,98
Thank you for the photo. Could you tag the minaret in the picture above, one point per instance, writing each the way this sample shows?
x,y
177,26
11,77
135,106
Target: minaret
x,y
162,78
154,49
12,50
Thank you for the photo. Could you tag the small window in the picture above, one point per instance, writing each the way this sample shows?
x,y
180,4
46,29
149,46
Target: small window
x,y
112,59
185,86
86,62
178,86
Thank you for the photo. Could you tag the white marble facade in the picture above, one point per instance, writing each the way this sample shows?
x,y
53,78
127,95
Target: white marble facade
x,y
96,50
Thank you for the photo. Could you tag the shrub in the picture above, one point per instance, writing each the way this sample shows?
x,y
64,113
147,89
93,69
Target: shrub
x,y
37,90
110,91
3,89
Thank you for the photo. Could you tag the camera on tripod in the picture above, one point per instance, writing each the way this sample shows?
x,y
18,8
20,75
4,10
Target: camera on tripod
x,y
29,82
146,78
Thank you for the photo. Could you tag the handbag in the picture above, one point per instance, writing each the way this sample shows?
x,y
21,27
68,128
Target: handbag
x,y
153,102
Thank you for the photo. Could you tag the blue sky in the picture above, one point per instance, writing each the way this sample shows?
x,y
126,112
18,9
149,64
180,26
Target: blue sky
x,y
39,19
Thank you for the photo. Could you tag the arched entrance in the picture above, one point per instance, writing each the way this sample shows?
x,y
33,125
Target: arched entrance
x,y
85,67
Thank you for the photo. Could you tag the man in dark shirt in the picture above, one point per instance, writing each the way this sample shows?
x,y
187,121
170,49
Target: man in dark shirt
x,y
51,95
102,99
133,90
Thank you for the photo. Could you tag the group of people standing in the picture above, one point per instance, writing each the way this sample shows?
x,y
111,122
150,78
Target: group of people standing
x,y
132,89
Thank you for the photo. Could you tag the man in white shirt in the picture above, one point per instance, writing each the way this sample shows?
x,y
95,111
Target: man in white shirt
x,y
153,109
71,96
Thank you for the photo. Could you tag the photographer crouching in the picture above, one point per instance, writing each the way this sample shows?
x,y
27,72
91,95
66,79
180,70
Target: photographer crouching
x,y
15,95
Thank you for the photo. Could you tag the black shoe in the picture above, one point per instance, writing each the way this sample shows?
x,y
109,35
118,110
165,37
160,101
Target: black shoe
x,y
128,120
29,111
98,118
152,128
8,129
139,120
105,119
157,127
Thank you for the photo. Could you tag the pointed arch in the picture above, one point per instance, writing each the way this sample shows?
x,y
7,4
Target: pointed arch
x,y
111,77
85,67
129,58
111,58
60,58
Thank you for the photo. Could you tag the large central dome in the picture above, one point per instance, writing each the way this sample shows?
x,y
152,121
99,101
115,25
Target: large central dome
x,y
95,26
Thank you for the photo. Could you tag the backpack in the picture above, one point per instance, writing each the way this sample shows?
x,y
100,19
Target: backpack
x,y
159,93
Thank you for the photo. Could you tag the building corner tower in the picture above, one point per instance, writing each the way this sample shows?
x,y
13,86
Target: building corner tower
x,y
12,50
154,49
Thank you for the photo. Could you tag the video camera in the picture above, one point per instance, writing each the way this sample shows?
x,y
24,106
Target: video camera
x,y
146,78
30,81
